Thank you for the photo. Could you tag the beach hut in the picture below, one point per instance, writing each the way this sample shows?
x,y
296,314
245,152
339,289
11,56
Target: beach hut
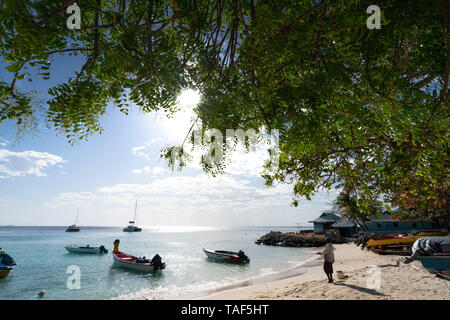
x,y
346,227
387,224
325,221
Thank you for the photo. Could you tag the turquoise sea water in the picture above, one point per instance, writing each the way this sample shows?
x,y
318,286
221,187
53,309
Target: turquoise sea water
x,y
42,262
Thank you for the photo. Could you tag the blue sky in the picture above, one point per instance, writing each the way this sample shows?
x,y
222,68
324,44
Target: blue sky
x,y
44,180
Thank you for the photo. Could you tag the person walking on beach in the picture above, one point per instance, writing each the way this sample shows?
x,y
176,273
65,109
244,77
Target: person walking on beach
x,y
328,257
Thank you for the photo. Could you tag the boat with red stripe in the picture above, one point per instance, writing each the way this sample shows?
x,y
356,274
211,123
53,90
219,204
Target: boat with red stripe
x,y
128,261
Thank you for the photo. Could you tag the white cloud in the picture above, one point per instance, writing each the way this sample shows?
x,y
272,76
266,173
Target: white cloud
x,y
159,170
193,200
138,152
13,164
3,142
147,170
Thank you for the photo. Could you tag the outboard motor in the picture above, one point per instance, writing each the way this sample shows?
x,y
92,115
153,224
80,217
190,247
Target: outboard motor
x,y
103,249
157,263
243,256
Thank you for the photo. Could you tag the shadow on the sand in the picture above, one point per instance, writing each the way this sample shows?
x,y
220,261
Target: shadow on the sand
x,y
362,289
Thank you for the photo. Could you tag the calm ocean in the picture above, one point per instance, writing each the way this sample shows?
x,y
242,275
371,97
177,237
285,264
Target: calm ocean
x,y
42,262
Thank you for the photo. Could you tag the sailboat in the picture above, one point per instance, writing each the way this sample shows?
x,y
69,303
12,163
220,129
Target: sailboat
x,y
131,227
73,227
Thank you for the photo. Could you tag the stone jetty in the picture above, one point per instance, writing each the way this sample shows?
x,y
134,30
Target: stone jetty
x,y
304,239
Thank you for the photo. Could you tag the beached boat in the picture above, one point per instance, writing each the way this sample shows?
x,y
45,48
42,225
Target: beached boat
x,y
436,262
433,233
444,274
73,227
87,249
392,240
392,244
398,244
128,261
131,227
4,271
229,256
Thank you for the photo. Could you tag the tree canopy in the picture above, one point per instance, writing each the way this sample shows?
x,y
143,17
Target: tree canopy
x,y
368,108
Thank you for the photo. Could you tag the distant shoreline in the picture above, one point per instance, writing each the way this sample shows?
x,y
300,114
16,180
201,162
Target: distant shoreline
x,y
85,226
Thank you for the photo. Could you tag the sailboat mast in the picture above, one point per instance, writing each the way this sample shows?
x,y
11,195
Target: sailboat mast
x,y
135,210
78,212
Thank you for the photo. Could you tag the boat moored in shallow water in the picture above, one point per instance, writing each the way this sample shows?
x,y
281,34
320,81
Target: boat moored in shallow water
x,y
87,249
6,264
228,256
128,261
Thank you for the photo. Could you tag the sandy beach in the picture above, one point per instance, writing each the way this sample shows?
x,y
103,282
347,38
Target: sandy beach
x,y
398,281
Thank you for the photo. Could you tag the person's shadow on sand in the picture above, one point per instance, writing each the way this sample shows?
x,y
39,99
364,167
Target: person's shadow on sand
x,y
362,289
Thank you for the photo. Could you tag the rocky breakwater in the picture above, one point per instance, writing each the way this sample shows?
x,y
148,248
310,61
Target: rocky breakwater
x,y
310,239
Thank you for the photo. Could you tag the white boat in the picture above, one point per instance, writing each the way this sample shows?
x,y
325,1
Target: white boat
x,y
87,249
128,261
229,256
73,227
131,227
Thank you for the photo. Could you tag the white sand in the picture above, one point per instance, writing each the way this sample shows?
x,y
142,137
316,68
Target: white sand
x,y
397,281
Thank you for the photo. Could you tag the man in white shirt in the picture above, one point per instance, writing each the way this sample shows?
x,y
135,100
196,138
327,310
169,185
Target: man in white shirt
x,y
328,257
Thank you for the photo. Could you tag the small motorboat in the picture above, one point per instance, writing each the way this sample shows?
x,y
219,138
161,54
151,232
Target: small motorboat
x,y
4,271
6,263
87,249
128,261
229,256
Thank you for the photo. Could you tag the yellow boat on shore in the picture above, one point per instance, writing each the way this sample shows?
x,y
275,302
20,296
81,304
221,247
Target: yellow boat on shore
x,y
394,240
398,244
